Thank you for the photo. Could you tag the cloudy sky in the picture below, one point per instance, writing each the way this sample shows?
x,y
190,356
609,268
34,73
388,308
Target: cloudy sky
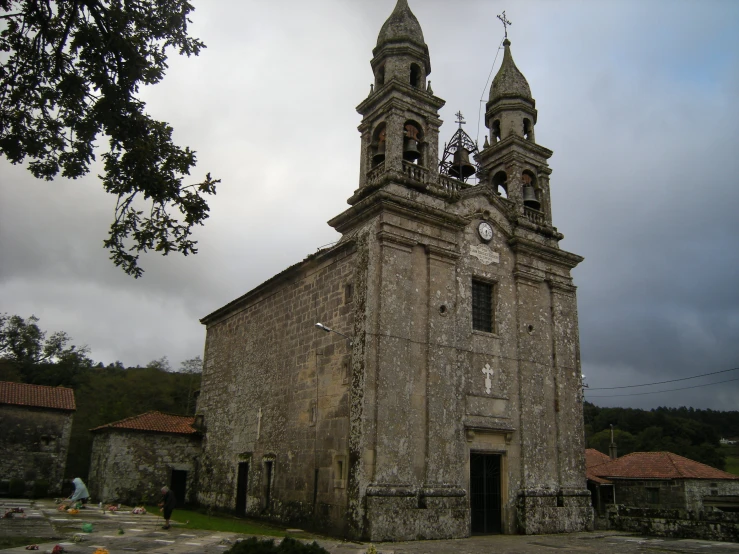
x,y
638,100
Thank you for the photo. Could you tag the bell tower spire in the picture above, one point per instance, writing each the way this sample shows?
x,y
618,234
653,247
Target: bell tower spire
x,y
400,124
511,161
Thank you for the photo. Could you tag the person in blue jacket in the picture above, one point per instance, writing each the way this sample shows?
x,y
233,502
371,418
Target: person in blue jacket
x,y
80,492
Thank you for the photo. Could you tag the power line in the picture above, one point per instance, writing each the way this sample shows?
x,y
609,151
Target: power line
x,y
670,381
479,109
660,391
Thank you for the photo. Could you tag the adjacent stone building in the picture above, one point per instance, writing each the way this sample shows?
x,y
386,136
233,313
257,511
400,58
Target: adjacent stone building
x,y
133,458
448,401
35,427
665,480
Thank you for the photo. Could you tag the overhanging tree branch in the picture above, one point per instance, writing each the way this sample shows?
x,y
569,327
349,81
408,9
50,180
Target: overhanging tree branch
x,y
73,72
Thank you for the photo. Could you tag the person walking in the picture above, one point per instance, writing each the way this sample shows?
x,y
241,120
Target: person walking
x,y
167,505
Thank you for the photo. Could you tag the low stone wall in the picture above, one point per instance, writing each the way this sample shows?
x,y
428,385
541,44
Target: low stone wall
x,y
709,524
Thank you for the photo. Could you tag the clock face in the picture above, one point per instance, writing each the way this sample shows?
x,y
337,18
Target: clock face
x,y
485,230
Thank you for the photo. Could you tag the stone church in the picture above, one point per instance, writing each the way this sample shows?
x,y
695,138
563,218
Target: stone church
x,y
445,398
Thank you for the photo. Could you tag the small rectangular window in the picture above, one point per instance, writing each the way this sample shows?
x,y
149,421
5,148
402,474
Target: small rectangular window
x,y
482,306
348,293
653,495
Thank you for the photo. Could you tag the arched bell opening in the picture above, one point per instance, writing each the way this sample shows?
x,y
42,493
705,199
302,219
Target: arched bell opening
x,y
415,77
378,145
528,129
530,196
495,131
380,76
500,183
412,141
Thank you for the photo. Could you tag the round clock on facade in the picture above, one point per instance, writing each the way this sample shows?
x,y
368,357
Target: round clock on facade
x,y
485,230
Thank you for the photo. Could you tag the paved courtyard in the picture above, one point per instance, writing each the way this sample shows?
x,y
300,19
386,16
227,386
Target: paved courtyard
x,y
142,533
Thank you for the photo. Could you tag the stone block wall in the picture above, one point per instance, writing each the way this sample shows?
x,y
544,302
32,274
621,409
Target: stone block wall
x,y
275,395
132,466
34,443
713,525
697,489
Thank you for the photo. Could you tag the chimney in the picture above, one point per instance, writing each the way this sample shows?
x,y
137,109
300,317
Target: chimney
x,y
612,448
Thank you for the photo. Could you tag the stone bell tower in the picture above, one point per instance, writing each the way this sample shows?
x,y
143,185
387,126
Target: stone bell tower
x,y
511,160
400,125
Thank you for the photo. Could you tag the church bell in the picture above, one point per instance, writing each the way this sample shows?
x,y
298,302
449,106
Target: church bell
x,y
410,144
379,155
461,166
529,197
410,150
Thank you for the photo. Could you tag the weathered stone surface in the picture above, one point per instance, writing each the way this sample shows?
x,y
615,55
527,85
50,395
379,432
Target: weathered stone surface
x,y
34,443
132,467
712,525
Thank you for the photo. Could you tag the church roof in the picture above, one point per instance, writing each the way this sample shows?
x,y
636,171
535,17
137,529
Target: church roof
x,y
509,82
154,421
37,396
657,465
402,25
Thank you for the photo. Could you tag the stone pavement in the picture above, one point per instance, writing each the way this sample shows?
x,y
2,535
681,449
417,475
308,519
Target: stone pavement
x,y
142,533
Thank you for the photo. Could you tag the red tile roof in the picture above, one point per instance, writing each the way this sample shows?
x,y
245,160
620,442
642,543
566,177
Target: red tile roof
x,y
154,421
594,458
39,396
658,465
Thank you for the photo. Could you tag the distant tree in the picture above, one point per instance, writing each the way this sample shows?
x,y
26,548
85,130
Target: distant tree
x,y
24,343
162,364
625,441
193,367
71,71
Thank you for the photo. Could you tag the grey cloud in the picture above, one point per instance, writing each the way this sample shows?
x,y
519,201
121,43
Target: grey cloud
x,y
637,100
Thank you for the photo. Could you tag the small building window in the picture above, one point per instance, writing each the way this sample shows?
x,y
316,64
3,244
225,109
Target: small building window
x,y
652,495
482,306
348,293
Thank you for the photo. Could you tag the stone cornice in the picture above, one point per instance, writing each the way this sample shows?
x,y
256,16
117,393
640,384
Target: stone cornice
x,y
401,48
508,143
381,200
379,96
495,107
560,287
563,258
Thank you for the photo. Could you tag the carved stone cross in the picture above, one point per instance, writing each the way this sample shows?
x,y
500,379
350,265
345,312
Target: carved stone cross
x,y
259,422
488,371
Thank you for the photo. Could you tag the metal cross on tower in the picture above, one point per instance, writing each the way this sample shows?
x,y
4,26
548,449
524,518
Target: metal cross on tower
x,y
460,119
505,22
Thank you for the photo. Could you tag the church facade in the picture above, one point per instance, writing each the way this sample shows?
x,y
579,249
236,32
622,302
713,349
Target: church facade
x,y
448,400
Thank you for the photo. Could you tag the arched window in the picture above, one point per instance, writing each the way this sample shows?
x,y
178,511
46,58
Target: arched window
x,y
528,130
500,183
495,131
378,146
415,75
412,142
380,76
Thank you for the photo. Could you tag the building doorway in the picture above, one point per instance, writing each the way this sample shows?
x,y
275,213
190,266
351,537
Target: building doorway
x,y
485,492
178,484
242,485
